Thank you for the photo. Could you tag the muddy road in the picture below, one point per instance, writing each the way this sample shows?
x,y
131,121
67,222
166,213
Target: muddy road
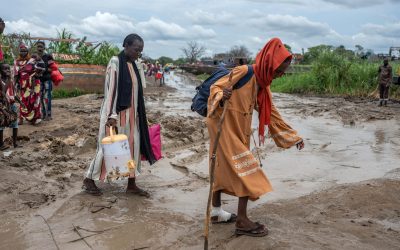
x,y
340,192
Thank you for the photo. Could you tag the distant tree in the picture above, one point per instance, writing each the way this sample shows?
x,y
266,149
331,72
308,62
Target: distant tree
x,y
239,51
359,51
206,58
164,60
180,61
62,46
341,50
314,52
359,47
193,51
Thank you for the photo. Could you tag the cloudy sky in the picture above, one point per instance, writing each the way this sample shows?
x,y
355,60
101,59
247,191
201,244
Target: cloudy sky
x,y
167,25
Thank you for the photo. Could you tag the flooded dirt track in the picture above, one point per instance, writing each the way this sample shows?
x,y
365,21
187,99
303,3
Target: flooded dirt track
x,y
340,192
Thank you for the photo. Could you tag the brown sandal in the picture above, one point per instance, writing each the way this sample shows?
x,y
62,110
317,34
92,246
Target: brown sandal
x,y
259,231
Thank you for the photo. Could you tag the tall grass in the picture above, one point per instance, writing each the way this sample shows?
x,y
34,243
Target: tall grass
x,y
60,93
203,76
334,74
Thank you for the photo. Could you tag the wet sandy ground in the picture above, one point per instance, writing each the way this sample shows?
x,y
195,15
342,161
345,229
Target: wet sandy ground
x,y
340,192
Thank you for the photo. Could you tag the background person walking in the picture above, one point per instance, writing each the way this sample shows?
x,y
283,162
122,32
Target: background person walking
x,y
384,80
46,85
123,108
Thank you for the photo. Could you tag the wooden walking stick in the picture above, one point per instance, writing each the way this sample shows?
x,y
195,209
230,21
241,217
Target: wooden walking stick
x,y
212,168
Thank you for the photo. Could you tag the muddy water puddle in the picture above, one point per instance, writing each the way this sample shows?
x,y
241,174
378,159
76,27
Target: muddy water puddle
x,y
336,152
178,102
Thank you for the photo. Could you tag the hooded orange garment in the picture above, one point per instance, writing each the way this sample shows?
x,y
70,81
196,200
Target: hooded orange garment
x,y
237,171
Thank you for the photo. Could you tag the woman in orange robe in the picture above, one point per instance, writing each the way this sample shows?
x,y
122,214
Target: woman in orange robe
x,y
237,171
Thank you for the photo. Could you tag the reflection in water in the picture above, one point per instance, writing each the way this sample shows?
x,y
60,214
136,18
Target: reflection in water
x,y
379,145
380,136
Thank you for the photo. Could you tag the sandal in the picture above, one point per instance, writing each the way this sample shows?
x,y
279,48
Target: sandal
x,y
218,220
259,231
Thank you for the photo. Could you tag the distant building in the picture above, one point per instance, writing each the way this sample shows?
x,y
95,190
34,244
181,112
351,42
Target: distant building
x,y
383,55
394,53
225,59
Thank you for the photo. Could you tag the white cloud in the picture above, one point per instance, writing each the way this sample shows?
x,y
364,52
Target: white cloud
x,y
166,26
159,30
108,26
257,40
35,28
390,30
100,25
353,4
200,32
207,18
296,25
359,3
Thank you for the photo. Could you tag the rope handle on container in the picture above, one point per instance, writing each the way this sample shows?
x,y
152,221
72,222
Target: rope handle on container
x,y
112,133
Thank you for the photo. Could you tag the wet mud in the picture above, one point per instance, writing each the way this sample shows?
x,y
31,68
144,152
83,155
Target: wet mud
x,y
340,192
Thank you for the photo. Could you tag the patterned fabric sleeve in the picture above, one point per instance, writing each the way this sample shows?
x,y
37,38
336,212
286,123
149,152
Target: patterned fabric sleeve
x,y
283,135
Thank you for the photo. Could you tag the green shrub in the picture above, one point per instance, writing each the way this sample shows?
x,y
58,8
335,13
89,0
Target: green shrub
x,y
60,93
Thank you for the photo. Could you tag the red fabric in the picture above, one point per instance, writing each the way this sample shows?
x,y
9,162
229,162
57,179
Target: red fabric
x,y
56,76
158,75
29,91
155,140
268,60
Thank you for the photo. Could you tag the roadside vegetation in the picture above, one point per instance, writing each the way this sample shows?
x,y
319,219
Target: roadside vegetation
x,y
323,70
85,52
334,73
60,92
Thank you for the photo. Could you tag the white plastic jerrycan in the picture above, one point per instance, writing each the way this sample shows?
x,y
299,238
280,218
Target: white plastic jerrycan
x,y
117,156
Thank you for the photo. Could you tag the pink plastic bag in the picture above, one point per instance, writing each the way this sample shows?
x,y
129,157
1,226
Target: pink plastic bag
x,y
155,141
1,54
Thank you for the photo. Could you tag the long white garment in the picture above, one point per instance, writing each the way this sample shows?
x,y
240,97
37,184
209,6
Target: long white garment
x,y
108,110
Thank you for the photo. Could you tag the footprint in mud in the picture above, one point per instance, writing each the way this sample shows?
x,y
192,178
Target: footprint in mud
x,y
180,167
34,200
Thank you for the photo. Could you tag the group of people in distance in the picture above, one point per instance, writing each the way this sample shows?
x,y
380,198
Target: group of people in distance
x,y
26,88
